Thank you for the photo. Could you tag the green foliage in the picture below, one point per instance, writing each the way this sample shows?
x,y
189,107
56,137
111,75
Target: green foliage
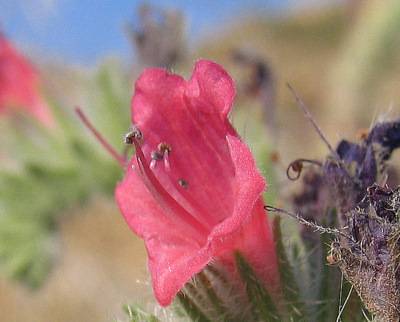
x,y
291,292
48,173
262,305
212,295
192,309
138,314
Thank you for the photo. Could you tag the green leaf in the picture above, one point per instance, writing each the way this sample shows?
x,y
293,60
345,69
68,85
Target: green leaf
x,y
290,288
49,172
26,249
213,294
192,309
137,313
262,305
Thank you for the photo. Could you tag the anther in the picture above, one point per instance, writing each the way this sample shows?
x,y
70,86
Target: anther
x,y
133,133
183,183
164,146
156,156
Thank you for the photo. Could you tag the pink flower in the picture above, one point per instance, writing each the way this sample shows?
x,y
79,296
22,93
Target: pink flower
x,y
19,85
192,191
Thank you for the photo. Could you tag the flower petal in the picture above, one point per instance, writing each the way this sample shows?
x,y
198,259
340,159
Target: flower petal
x,y
173,258
211,82
224,186
188,116
19,85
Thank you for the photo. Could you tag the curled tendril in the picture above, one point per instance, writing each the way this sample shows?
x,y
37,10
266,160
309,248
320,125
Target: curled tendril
x,y
297,166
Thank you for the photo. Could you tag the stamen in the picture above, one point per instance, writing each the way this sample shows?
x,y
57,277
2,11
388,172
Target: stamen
x,y
133,133
164,146
183,183
152,164
157,156
165,199
166,163
185,194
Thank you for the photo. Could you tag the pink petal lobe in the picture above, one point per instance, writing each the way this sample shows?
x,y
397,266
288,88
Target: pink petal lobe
x,y
254,235
210,78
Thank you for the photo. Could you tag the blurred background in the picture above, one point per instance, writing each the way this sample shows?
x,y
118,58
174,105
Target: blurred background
x,y
66,253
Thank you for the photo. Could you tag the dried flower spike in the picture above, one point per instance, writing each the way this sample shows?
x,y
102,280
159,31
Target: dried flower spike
x,y
372,262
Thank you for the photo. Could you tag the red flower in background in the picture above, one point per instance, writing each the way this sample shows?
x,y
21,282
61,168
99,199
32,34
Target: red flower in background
x,y
19,84
192,191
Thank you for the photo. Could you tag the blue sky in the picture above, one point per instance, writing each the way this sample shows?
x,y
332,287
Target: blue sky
x,y
82,31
